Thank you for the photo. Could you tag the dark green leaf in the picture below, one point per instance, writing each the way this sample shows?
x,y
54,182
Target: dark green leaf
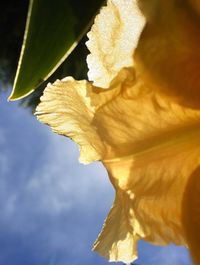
x,y
52,31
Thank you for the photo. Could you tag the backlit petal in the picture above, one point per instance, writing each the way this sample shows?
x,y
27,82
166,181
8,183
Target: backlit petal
x,y
112,40
66,108
153,150
149,145
118,241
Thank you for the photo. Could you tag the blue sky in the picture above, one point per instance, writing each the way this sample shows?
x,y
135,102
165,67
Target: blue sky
x,y
52,207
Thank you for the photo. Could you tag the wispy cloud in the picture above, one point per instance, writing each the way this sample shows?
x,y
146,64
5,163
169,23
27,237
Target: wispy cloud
x,y
49,202
64,183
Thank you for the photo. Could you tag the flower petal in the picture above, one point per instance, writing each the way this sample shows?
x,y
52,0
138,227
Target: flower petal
x,y
118,225
66,108
195,4
167,56
153,150
149,145
112,40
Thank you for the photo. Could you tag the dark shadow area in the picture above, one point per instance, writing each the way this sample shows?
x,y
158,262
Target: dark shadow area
x,y
12,24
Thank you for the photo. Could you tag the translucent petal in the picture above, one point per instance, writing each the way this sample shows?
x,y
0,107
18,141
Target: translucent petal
x,y
153,149
66,108
118,226
112,40
149,145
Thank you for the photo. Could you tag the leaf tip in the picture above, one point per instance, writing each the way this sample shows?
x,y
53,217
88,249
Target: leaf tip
x,y
16,96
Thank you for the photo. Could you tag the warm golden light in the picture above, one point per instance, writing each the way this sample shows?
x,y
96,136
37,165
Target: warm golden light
x,y
140,116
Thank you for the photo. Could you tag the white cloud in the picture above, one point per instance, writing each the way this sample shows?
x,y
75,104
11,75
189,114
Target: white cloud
x,y
62,183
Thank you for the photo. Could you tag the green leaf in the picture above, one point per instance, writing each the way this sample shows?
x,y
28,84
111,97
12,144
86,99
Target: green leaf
x,y
51,33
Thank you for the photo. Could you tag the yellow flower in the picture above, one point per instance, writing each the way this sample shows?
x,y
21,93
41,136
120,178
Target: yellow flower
x,y
136,117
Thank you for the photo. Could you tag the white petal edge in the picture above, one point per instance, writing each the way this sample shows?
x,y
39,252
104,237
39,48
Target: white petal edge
x,y
113,39
66,108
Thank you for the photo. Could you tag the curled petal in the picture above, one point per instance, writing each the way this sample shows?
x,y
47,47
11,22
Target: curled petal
x,y
153,149
148,142
67,109
149,145
112,40
116,242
